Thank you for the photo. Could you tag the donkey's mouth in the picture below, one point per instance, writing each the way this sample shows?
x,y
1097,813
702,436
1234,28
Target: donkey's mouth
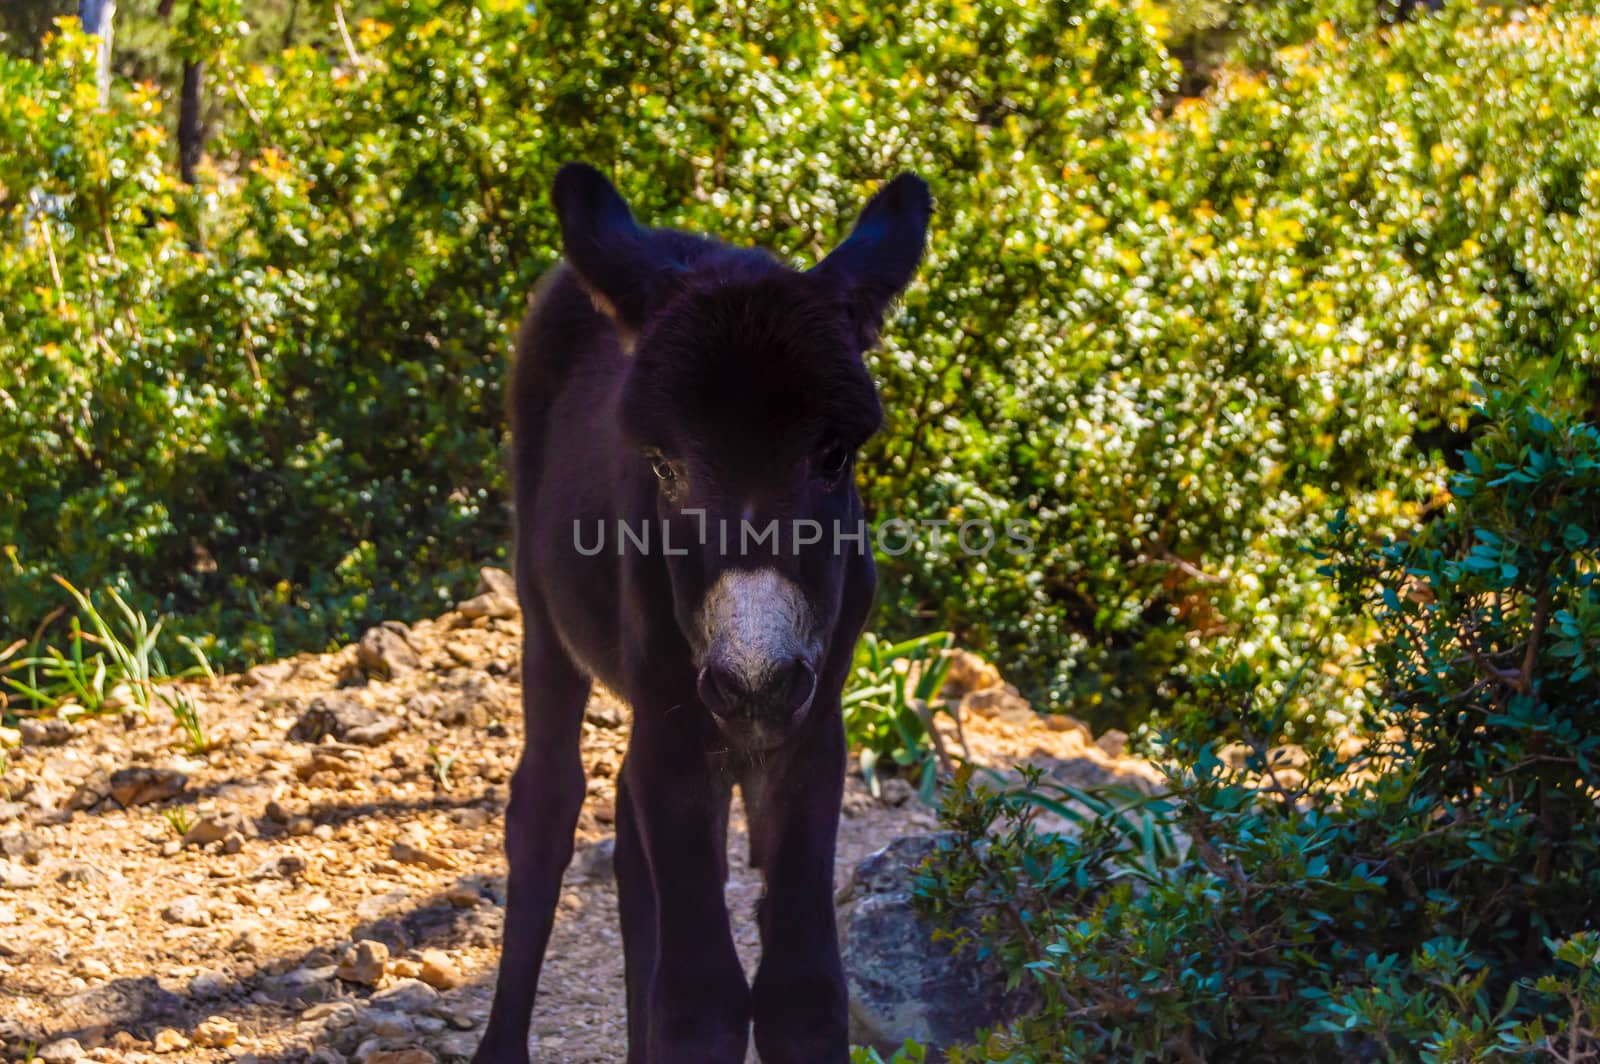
x,y
757,735
760,711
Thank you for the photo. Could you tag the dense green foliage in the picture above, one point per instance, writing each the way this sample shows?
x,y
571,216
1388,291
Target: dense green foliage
x,y
889,702
1172,340
1428,896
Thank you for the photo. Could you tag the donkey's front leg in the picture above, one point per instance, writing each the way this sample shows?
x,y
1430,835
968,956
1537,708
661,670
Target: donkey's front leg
x,y
695,999
801,1004
546,797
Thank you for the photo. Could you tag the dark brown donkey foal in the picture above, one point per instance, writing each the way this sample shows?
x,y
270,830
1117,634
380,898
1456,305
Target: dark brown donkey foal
x,y
685,420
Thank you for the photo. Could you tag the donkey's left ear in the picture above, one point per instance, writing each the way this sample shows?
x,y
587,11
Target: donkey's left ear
x,y
880,256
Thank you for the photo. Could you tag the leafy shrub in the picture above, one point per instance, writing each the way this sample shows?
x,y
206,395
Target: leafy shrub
x,y
1428,895
889,707
1171,340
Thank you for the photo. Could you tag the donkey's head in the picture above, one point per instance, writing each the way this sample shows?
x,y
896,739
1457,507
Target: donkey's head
x,y
746,400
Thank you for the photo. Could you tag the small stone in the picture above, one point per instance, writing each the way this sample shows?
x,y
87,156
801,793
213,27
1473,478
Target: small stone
x,y
439,971
290,866
216,1032
61,1049
595,862
424,705
331,1014
488,605
456,1045
345,720
405,968
462,896
605,712
470,817
189,911
120,698
15,877
386,651
80,873
1060,722
214,828
493,581
390,1024
496,596
1235,755
233,843
407,853
375,734
364,963
92,968
168,1040
410,996
895,791
208,985
1113,742
1000,703
473,704
143,785
968,672
25,846
332,761
50,731
409,1055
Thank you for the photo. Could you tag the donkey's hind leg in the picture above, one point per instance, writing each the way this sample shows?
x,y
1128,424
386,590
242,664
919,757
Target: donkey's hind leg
x,y
546,796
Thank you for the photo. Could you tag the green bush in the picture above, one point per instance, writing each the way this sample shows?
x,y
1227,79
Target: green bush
x,y
889,703
1171,338
1428,896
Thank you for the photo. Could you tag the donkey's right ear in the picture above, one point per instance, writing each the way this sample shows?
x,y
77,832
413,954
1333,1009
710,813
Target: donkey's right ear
x,y
613,255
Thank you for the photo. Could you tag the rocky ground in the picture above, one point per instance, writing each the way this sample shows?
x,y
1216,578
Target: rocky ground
x,y
325,881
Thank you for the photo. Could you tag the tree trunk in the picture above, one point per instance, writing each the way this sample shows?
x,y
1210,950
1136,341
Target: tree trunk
x,y
191,123
96,16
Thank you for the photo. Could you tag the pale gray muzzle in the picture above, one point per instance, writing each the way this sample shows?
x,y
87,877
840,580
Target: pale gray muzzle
x,y
757,647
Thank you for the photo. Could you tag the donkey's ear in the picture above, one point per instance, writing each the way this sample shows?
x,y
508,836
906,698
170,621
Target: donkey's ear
x,y
880,256
613,255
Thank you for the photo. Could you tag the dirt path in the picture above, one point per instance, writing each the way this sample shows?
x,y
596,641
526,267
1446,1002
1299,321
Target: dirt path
x,y
121,942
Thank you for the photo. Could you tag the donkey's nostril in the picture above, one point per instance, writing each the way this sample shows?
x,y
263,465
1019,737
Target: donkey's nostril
x,y
782,689
792,686
721,691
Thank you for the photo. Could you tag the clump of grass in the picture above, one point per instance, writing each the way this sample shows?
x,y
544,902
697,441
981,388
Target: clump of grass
x,y
179,819
187,714
109,664
440,763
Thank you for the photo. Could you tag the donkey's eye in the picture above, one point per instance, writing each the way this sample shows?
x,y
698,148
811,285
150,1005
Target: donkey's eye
x,y
833,461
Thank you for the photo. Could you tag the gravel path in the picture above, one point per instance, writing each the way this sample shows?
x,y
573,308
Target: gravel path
x,y
119,941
